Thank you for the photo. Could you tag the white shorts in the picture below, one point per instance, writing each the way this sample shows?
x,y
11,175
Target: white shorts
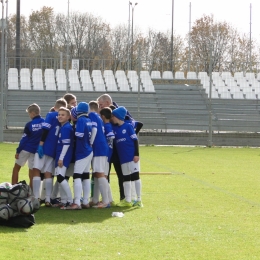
x,y
45,164
99,164
83,165
60,171
70,170
25,156
107,168
130,167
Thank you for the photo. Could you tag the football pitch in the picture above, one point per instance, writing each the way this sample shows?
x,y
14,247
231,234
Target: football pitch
x,y
199,203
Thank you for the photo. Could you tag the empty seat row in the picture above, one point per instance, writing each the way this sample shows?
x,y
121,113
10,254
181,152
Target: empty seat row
x,y
96,82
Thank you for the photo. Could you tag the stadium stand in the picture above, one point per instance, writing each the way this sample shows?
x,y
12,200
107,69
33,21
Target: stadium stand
x,y
171,106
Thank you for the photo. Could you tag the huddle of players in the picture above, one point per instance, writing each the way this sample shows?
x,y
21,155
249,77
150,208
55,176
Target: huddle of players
x,y
83,136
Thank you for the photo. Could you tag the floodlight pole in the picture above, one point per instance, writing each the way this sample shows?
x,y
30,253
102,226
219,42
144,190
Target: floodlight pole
x,y
189,38
132,44
128,40
210,94
172,37
67,52
250,35
2,77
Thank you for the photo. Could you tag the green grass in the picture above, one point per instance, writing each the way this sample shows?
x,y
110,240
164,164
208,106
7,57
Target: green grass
x,y
207,207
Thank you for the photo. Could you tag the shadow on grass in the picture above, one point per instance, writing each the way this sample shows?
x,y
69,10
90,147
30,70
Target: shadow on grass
x,y
57,216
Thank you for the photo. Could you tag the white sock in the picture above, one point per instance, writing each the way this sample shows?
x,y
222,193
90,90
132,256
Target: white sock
x,y
109,193
55,190
43,189
103,187
63,195
96,192
86,191
65,186
77,186
133,192
127,190
138,188
36,186
48,185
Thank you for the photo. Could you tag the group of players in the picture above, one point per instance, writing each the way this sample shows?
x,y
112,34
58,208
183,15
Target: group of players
x,y
74,140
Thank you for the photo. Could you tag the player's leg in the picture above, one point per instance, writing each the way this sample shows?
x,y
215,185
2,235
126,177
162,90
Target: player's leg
x,y
120,177
48,172
127,186
37,166
60,173
23,157
86,186
109,192
135,178
15,173
99,165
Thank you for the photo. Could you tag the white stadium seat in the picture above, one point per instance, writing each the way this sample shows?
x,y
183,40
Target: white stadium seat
x,y
13,78
25,78
49,79
86,80
74,80
122,80
179,75
192,75
37,79
61,79
98,81
167,75
155,74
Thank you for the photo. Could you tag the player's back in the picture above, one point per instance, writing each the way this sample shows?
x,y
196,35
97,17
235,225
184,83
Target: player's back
x,y
100,146
124,140
51,124
83,134
65,137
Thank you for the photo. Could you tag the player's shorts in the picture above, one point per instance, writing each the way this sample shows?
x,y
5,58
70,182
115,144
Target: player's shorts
x,y
107,168
83,165
130,167
70,170
25,156
45,164
60,171
99,164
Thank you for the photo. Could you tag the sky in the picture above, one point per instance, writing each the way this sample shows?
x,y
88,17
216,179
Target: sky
x,y
157,14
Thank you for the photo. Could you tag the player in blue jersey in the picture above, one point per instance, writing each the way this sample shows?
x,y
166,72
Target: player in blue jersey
x,y
83,157
29,143
105,100
100,152
64,152
105,114
128,150
44,159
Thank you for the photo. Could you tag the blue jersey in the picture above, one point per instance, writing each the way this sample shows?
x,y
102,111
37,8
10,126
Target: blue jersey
x,y
31,136
110,137
52,124
100,146
124,140
83,134
65,137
